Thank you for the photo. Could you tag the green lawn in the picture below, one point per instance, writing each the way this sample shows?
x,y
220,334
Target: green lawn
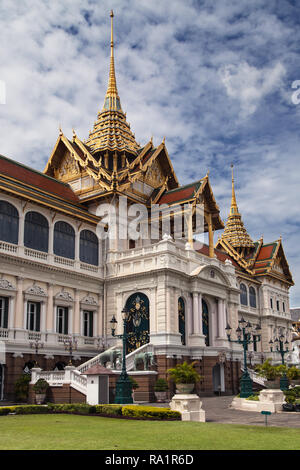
x,y
57,432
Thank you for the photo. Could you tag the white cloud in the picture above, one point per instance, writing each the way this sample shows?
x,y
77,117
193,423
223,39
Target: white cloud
x,y
250,85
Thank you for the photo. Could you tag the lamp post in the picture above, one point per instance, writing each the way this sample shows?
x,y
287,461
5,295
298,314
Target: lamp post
x,y
279,344
245,336
36,344
70,345
123,385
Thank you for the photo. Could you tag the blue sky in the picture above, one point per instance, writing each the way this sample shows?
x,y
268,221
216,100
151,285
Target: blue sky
x,y
212,77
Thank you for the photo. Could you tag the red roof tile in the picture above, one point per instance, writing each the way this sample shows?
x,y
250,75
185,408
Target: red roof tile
x,y
38,180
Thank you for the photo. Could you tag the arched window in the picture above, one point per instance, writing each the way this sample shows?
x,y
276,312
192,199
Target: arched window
x,y
137,325
36,231
252,297
9,223
89,247
244,294
64,240
181,319
205,322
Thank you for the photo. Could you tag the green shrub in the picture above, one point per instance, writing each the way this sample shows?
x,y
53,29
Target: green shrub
x,y
290,396
253,398
268,371
29,409
109,410
81,408
161,385
151,412
184,373
134,383
4,410
40,386
293,373
22,387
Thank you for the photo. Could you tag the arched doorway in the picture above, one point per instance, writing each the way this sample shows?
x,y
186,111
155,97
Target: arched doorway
x,y
138,321
205,322
181,319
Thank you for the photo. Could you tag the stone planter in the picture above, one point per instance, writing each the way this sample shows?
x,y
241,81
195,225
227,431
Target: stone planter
x,y
184,388
295,382
273,384
161,397
40,398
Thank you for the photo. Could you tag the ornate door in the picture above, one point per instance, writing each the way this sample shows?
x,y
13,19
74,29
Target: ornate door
x,y
181,319
138,321
205,322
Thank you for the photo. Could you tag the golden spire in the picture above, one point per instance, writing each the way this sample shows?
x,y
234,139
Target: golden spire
x,y
112,99
235,232
234,207
111,131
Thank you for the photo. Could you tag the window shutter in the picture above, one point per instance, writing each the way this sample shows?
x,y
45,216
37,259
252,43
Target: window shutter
x,y
91,324
5,320
66,318
38,316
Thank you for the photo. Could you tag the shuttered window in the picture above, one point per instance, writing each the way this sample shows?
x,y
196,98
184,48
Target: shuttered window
x,y
33,316
9,223
4,312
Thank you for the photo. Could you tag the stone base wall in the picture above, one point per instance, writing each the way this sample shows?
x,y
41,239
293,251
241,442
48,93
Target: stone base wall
x,y
13,368
64,394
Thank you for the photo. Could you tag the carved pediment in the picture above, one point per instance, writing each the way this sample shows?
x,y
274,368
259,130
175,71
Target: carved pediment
x,y
154,175
68,169
5,284
36,290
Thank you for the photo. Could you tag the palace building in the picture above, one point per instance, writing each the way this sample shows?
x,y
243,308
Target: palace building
x,y
61,285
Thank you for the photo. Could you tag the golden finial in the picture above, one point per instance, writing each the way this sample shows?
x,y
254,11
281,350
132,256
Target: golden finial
x,y
164,140
74,134
234,208
60,131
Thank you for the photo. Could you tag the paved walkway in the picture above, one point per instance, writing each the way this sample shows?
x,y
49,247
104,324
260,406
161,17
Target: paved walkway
x,y
217,410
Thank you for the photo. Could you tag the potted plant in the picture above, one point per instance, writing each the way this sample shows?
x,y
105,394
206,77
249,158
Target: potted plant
x,y
22,388
134,386
271,373
293,374
160,390
40,388
185,376
290,399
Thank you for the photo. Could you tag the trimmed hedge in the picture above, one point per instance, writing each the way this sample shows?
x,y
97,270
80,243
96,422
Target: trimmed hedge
x,y
113,410
149,412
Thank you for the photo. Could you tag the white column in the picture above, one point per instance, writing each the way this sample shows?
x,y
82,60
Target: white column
x,y
49,312
195,313
200,328
19,307
21,230
168,309
76,324
189,315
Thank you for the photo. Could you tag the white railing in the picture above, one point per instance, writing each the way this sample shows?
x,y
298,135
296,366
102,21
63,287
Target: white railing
x,y
8,247
58,378
4,333
35,254
131,356
94,360
255,377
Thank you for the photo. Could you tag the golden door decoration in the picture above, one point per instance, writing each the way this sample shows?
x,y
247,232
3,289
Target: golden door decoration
x,y
138,321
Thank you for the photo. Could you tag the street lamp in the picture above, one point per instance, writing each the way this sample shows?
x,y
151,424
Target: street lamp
x,y
36,344
70,345
245,335
279,345
123,385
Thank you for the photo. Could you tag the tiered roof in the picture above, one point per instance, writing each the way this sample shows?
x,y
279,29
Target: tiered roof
x,y
253,258
235,232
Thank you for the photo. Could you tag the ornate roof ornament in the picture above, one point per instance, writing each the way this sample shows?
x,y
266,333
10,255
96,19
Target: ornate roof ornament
x,y
235,232
111,131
